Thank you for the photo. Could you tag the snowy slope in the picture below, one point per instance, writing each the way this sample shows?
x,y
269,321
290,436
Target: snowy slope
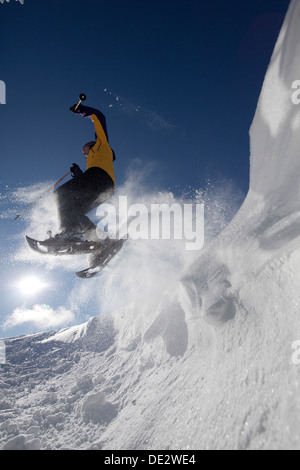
x,y
205,364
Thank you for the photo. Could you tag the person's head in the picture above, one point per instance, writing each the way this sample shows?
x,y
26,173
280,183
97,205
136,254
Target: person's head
x,y
87,147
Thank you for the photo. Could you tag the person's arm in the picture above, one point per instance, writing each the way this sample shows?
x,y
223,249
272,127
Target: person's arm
x,y
98,119
96,116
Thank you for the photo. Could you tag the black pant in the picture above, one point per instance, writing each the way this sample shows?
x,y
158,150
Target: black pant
x,y
79,196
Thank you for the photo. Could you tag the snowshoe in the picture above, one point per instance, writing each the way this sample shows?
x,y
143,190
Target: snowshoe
x,y
99,260
61,246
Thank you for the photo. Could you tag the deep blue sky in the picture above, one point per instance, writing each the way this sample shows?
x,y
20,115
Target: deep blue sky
x,y
192,69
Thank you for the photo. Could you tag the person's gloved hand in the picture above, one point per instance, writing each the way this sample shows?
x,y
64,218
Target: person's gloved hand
x,y
77,110
75,170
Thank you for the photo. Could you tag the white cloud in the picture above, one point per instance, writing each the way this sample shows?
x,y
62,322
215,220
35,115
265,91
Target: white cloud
x,y
41,316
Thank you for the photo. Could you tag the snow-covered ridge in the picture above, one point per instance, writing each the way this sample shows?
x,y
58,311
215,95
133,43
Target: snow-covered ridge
x,y
275,136
205,364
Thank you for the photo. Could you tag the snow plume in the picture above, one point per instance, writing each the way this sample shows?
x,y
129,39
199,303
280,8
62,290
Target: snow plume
x,y
40,218
222,199
148,117
6,202
42,211
146,268
159,261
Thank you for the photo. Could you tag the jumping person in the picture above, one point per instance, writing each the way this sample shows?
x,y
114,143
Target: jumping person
x,y
87,189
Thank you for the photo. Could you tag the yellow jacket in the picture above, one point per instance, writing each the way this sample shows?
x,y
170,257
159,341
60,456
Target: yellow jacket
x,y
101,155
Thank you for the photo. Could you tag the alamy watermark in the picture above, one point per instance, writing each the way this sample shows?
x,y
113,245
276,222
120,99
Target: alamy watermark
x,y
296,354
296,94
2,352
7,1
2,92
157,222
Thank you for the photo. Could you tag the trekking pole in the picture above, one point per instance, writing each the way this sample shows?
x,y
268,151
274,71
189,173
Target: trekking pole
x,y
42,195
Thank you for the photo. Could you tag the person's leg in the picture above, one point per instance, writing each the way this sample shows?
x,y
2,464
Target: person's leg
x,y
67,198
101,189
79,196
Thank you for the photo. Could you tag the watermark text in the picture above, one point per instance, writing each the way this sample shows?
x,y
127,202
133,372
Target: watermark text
x,y
7,1
296,354
2,352
2,92
157,222
296,94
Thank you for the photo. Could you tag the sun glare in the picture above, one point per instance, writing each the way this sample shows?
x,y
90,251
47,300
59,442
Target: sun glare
x,y
31,285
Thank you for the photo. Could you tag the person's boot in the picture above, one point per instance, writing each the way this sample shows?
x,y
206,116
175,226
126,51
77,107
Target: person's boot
x,y
69,235
94,235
